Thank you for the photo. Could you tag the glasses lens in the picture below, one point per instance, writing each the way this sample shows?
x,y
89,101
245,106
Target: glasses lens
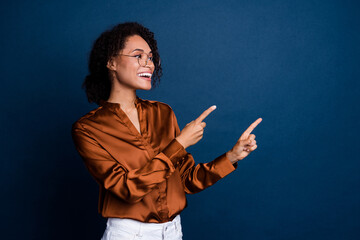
x,y
145,59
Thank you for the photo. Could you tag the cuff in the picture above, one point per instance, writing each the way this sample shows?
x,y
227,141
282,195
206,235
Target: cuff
x,y
224,165
175,151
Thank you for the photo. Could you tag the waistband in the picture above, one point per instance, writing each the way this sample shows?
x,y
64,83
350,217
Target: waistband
x,y
135,225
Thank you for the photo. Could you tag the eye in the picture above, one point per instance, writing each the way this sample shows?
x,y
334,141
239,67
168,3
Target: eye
x,y
151,59
138,56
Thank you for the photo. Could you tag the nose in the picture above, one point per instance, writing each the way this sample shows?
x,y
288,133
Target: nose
x,y
151,66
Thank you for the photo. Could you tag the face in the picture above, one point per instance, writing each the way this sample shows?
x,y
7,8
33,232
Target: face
x,y
126,70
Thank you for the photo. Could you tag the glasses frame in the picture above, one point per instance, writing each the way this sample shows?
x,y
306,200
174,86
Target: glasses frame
x,y
135,56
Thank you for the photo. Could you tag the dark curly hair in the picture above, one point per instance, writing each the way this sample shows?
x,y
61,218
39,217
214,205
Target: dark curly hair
x,y
98,83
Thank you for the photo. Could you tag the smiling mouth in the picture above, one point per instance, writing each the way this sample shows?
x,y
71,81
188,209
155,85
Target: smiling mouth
x,y
146,76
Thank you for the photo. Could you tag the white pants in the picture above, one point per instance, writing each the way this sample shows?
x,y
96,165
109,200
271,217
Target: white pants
x,y
129,229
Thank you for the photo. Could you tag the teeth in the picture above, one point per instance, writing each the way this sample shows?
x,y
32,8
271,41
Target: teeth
x,y
145,75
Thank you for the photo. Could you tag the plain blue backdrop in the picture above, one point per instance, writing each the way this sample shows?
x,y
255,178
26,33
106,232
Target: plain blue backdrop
x,y
293,63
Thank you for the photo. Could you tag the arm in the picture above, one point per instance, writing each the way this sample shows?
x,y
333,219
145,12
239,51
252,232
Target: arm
x,y
129,185
196,178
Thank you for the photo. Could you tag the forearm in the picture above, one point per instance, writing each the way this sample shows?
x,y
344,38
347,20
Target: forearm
x,y
196,178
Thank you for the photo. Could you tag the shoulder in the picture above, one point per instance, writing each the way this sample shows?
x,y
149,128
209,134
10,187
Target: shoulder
x,y
162,107
89,117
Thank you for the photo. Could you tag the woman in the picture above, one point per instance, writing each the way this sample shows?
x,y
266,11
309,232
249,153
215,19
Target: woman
x,y
134,148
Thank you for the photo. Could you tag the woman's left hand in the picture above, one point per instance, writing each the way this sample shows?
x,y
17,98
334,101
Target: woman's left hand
x,y
245,145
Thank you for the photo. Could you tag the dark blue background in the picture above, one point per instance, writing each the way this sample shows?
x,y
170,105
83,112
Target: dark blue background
x,y
293,63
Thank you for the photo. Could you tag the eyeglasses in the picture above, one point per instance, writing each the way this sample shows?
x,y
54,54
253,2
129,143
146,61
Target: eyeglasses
x,y
142,58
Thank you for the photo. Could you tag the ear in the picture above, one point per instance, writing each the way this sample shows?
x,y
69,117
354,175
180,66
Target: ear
x,y
111,64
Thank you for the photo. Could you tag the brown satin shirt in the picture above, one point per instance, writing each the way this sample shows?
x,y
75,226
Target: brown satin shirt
x,y
142,176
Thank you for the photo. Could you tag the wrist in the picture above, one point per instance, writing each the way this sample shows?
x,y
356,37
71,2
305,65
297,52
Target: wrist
x,y
231,156
180,140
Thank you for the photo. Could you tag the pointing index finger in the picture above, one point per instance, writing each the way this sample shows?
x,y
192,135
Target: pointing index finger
x,y
247,132
205,114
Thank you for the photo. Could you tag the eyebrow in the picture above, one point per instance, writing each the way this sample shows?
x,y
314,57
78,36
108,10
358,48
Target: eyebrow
x,y
138,49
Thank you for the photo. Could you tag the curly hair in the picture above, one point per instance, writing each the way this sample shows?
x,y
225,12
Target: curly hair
x,y
97,83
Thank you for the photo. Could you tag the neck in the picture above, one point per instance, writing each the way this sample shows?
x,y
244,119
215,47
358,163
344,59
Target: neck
x,y
126,98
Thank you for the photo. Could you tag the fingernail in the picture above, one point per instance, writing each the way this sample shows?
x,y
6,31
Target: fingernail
x,y
214,106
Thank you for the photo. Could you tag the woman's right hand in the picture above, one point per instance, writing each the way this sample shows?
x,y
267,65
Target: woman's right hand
x,y
194,130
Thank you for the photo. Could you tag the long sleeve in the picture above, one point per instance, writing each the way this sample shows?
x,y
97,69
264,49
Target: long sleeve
x,y
129,185
196,178
142,175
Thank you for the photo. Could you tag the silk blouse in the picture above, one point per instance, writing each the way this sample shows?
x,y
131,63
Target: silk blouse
x,y
141,175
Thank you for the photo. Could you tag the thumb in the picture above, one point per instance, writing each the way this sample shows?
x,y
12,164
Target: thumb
x,y
203,124
246,142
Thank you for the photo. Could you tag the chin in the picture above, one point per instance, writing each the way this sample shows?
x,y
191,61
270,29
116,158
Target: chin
x,y
145,87
148,88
